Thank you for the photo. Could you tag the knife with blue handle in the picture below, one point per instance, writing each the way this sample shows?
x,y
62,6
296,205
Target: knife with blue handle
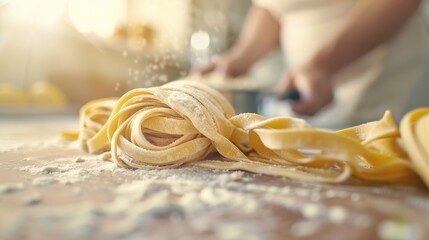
x,y
293,95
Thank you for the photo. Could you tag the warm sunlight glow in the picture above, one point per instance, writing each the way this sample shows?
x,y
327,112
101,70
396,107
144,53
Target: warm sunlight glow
x,y
94,16
81,13
200,40
43,13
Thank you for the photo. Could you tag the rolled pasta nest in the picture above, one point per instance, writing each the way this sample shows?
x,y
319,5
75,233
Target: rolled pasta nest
x,y
188,123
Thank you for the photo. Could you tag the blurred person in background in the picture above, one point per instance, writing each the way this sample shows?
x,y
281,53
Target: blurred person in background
x,y
351,60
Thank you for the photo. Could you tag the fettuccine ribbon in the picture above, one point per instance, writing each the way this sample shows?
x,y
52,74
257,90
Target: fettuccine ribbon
x,y
183,122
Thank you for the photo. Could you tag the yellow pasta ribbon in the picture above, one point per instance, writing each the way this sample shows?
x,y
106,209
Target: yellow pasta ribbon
x,y
183,122
415,138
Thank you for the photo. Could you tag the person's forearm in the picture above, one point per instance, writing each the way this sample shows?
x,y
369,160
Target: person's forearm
x,y
260,35
371,23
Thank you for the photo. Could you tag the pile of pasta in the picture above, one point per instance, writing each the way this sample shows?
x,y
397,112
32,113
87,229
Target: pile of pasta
x,y
186,122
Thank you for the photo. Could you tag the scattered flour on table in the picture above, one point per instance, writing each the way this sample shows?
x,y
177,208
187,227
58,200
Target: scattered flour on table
x,y
10,188
152,199
176,195
44,181
142,201
337,214
334,214
79,160
311,210
397,229
72,170
305,228
228,177
32,199
76,221
237,231
11,147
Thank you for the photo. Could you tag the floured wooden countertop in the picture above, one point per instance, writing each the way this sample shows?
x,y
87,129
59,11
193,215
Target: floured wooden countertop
x,y
49,188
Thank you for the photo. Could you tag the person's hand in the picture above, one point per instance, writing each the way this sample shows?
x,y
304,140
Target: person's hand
x,y
313,84
228,65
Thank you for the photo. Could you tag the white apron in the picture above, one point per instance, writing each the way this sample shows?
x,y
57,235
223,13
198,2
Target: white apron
x,y
391,77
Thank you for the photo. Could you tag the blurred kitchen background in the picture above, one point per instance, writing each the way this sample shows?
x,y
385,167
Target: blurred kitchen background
x,y
58,54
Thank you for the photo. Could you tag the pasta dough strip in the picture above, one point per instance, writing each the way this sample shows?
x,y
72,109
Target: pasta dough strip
x,y
182,122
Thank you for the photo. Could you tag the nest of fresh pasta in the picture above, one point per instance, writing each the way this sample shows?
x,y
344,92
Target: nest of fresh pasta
x,y
185,122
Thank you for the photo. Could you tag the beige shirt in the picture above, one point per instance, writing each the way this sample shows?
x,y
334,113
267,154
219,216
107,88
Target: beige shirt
x,y
388,78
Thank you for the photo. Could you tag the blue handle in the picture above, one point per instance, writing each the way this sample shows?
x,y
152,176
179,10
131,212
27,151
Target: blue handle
x,y
293,95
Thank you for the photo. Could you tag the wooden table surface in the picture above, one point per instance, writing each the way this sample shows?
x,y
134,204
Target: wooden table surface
x,y
50,189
